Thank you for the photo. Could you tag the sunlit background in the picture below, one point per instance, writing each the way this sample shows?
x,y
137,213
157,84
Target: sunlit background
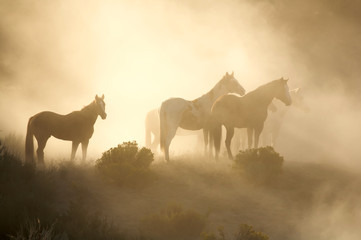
x,y
57,55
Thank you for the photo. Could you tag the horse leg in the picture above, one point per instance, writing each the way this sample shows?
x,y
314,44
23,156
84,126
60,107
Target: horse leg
x,y
217,135
205,138
155,143
84,146
40,151
250,137
74,147
243,139
229,136
257,133
170,135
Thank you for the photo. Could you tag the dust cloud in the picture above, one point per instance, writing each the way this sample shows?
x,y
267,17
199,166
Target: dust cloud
x,y
57,55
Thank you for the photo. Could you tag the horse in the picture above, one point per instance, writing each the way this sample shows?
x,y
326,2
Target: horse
x,y
77,126
248,111
274,121
152,127
193,115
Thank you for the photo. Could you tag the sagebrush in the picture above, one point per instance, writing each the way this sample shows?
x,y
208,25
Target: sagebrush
x,y
261,165
127,165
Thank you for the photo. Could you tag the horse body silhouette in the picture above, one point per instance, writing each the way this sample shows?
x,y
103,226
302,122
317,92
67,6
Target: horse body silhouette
x,y
152,127
77,126
273,123
192,115
249,111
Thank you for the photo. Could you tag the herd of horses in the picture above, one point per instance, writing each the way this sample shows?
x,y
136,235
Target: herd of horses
x,y
226,104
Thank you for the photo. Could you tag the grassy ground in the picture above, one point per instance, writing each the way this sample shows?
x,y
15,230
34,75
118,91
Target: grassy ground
x,y
307,201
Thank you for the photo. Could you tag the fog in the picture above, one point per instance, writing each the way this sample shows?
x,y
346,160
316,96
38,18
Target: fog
x,y
57,55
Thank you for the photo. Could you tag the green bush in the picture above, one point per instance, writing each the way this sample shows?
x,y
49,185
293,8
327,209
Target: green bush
x,y
127,165
259,165
174,223
245,232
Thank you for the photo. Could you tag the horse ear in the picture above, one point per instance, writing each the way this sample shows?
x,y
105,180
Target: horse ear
x,y
96,97
226,73
103,96
232,74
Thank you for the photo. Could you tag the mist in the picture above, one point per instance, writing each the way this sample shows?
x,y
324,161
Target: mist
x,y
57,55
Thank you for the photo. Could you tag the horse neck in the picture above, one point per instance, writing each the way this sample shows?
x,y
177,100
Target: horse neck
x,y
207,100
263,94
90,112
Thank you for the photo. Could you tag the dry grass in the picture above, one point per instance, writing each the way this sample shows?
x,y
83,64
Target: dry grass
x,y
76,201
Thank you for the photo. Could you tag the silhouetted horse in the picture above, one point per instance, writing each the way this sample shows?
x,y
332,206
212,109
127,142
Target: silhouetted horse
x,y
273,123
249,111
275,119
192,115
77,126
152,127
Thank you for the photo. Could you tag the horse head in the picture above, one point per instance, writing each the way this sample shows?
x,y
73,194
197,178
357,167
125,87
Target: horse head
x,y
283,92
100,106
232,85
298,100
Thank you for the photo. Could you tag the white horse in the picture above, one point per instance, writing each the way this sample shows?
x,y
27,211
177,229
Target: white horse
x,y
274,121
152,128
193,115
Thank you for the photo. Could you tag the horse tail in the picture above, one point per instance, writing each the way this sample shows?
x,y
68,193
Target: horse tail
x,y
29,143
163,127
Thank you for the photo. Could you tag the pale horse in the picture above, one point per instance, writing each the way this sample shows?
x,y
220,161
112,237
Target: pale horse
x,y
152,130
193,115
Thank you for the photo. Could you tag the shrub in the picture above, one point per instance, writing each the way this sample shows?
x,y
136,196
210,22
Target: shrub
x,y
174,223
52,197
245,232
259,165
126,165
32,230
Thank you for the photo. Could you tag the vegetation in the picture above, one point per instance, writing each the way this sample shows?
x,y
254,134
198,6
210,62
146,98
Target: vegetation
x,y
245,232
127,165
260,165
42,204
174,223
72,201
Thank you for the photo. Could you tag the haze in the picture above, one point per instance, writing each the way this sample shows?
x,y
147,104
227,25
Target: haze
x,y
58,55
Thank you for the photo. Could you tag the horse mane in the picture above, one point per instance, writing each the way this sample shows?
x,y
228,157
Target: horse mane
x,y
90,105
262,87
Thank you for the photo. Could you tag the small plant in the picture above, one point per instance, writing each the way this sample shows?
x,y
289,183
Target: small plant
x,y
259,165
174,223
32,230
245,232
126,164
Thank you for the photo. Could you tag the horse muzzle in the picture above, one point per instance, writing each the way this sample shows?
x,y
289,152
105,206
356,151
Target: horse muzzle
x,y
103,116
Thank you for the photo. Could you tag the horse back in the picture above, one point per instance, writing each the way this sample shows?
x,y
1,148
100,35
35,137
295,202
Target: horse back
x,y
73,126
240,112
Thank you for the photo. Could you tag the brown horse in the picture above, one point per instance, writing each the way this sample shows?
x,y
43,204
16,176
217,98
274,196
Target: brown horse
x,y
249,111
77,126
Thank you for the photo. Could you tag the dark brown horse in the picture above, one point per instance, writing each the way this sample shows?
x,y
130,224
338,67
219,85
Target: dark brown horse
x,y
77,126
249,111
